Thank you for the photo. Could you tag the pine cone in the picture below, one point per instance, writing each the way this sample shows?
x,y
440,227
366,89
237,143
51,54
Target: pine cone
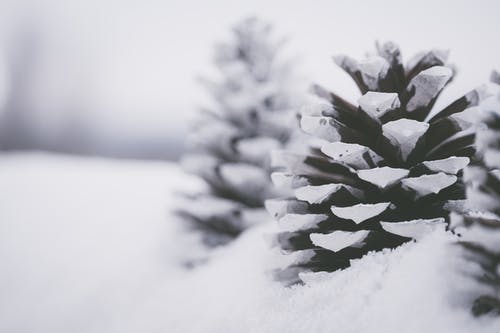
x,y
383,171
480,222
252,114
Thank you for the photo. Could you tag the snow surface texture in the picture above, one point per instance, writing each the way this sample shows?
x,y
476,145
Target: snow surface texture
x,y
88,246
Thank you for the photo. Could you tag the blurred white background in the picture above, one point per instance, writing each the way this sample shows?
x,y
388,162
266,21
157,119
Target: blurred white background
x,y
90,245
118,77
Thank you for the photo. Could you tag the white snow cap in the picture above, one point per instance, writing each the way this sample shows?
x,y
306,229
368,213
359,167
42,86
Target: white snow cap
x,y
467,118
372,69
244,175
316,194
199,163
405,133
427,84
479,94
492,158
315,109
294,222
361,212
339,240
207,207
292,162
376,104
350,153
346,62
451,165
495,77
442,55
257,149
284,180
428,184
321,127
281,158
387,49
278,208
415,229
383,177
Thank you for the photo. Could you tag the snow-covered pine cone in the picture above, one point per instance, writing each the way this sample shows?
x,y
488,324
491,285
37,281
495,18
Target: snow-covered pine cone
x,y
385,169
479,225
253,113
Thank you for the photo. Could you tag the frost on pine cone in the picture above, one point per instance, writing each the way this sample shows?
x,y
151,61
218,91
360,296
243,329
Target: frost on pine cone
x,y
253,114
480,223
382,171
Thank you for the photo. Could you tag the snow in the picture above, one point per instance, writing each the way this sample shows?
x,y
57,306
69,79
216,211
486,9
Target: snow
x,y
208,206
451,165
294,163
466,118
245,177
440,55
322,127
360,212
384,176
339,240
316,194
295,222
405,134
372,70
83,241
351,154
278,208
428,184
415,229
427,85
315,109
491,157
256,149
283,180
347,63
89,245
378,104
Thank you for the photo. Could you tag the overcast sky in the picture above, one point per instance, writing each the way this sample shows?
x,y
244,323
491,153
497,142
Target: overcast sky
x,y
131,65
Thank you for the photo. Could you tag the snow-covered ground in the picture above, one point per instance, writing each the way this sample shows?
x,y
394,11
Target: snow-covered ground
x,y
90,245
